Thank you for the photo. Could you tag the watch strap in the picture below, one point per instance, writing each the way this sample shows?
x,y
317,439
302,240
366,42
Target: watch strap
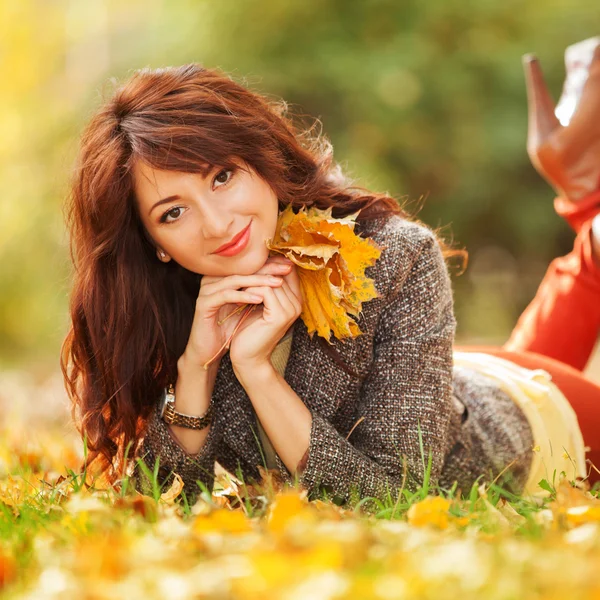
x,y
174,417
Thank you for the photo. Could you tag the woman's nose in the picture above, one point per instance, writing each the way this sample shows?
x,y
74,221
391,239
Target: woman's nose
x,y
217,223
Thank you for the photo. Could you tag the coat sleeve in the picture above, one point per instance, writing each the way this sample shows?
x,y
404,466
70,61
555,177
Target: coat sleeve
x,y
160,442
408,386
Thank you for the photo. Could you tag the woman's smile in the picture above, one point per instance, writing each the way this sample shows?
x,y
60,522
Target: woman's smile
x,y
239,243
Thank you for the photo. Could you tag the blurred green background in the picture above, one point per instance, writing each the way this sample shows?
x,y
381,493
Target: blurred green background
x,y
420,99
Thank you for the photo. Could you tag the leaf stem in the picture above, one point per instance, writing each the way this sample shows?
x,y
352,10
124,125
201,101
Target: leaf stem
x,y
248,310
235,310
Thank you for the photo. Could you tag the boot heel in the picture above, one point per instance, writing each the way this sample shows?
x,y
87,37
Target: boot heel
x,y
566,153
541,120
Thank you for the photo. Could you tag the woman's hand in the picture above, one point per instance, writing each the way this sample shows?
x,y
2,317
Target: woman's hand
x,y
258,335
217,299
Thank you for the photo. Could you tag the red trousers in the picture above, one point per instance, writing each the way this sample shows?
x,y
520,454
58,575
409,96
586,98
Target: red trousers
x,y
558,330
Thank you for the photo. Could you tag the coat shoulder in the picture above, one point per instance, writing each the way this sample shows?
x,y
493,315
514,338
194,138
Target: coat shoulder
x,y
402,241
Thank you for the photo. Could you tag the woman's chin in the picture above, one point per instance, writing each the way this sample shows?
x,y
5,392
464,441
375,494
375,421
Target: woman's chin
x,y
246,264
252,262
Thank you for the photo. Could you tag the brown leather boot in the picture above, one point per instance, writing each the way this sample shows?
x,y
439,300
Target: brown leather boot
x,y
566,152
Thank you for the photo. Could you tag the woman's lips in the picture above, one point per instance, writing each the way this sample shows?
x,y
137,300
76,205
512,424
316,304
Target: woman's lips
x,y
239,245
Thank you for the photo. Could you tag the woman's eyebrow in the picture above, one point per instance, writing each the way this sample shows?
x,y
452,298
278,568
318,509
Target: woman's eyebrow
x,y
205,171
163,201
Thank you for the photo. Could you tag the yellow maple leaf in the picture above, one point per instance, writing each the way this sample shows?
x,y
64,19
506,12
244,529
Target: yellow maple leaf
x,y
332,260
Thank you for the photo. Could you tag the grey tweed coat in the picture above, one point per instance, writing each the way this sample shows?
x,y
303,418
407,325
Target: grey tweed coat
x,y
404,381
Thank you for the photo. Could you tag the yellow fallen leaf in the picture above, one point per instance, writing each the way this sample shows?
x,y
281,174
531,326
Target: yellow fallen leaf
x,y
103,555
577,515
510,513
463,521
14,491
77,524
8,568
573,505
223,521
332,261
432,510
323,555
272,569
99,481
169,496
288,506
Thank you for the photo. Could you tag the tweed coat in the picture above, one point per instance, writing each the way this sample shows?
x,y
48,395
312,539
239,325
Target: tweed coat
x,y
404,382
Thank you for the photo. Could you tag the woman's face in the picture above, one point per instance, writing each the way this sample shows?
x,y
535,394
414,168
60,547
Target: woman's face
x,y
190,216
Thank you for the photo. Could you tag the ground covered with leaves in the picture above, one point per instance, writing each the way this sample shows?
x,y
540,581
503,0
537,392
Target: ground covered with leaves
x,y
64,534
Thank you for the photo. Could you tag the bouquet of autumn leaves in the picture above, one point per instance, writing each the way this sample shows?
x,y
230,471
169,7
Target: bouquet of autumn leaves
x,y
332,260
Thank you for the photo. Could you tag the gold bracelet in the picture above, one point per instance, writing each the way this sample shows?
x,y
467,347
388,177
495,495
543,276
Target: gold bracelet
x,y
169,415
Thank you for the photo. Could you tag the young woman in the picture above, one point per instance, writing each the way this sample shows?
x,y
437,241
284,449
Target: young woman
x,y
182,162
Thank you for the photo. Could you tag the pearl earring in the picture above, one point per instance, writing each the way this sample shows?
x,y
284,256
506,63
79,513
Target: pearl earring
x,y
162,254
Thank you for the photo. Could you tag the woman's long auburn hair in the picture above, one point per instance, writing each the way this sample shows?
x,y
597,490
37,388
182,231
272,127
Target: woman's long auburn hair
x,y
132,314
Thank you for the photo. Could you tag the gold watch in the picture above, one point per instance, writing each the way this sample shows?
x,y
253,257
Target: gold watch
x,y
169,415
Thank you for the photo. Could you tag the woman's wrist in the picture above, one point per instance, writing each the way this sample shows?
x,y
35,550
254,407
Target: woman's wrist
x,y
194,386
254,373
187,362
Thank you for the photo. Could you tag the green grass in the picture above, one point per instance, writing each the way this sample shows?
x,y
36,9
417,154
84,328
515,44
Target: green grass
x,y
60,537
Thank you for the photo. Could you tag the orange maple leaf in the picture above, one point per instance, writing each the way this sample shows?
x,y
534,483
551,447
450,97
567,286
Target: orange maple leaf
x,y
332,260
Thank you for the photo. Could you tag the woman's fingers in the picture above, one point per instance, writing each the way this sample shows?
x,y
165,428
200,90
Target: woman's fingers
x,y
209,304
285,302
275,265
234,282
276,302
294,300
293,280
273,307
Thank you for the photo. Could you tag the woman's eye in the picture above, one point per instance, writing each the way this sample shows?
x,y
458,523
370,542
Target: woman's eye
x,y
172,212
223,177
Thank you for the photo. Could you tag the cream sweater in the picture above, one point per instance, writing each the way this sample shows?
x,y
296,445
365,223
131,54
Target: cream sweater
x,y
557,437
279,358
